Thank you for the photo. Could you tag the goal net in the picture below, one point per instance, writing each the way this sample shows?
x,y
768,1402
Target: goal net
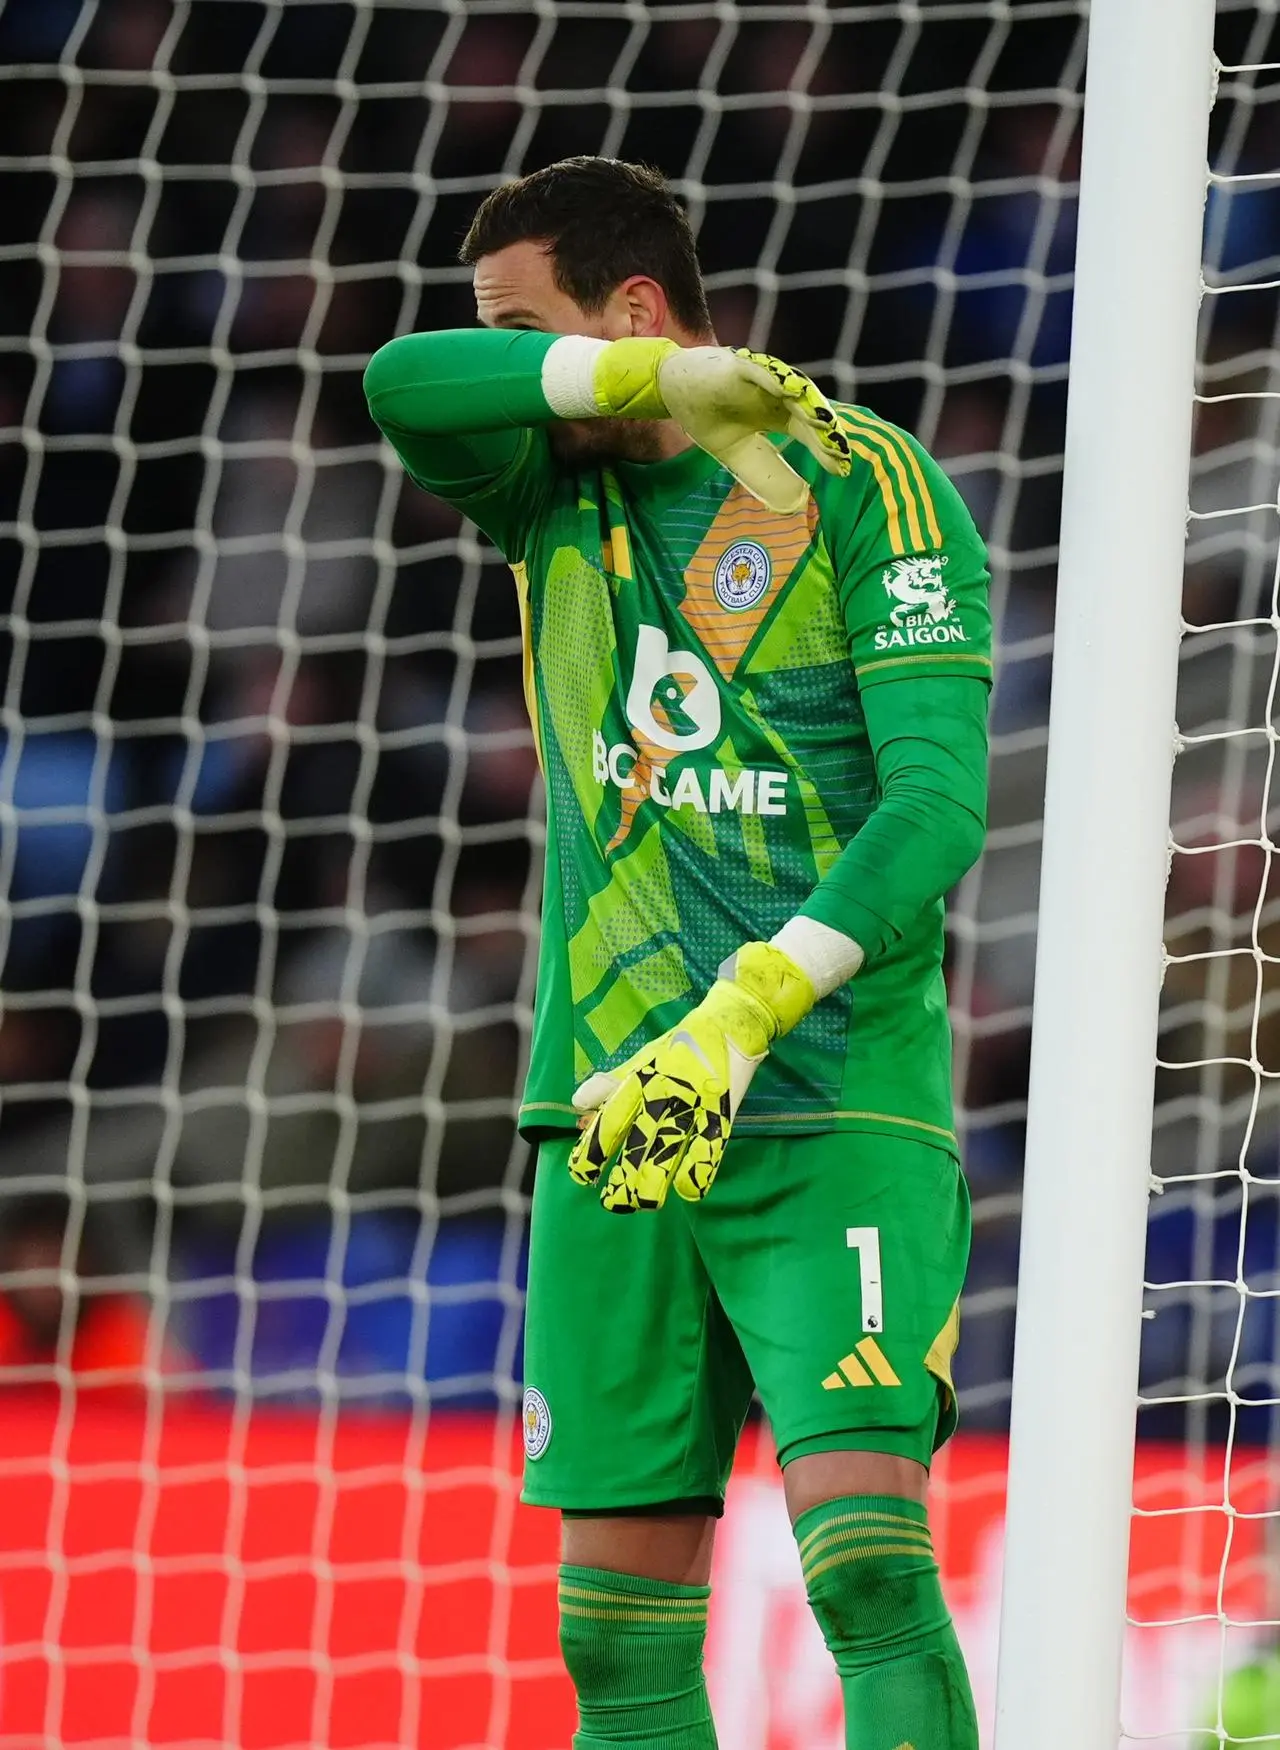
x,y
1210,1351
270,834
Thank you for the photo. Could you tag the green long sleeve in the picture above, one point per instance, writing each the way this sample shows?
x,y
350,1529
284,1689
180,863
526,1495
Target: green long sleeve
x,y
459,381
929,738
460,407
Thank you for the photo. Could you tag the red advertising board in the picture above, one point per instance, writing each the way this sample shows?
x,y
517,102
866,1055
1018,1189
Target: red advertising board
x,y
189,1576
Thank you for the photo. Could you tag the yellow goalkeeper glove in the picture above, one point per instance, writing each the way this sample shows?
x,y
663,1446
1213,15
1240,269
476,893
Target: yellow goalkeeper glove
x,y
726,399
663,1118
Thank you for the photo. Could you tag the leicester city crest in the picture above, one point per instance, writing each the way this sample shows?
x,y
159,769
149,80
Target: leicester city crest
x,y
537,1422
742,576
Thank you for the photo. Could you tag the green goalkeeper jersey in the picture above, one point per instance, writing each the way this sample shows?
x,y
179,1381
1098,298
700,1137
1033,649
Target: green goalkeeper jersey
x,y
699,673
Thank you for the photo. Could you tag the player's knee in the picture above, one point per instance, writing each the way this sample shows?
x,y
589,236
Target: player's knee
x,y
603,1661
628,1641
597,1666
872,1579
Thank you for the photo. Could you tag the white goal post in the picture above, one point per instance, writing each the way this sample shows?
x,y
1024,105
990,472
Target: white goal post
x,y
1148,96
271,831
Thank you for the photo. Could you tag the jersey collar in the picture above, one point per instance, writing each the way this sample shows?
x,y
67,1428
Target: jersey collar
x,y
673,478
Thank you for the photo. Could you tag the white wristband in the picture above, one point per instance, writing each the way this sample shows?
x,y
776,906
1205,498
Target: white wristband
x,y
568,375
827,958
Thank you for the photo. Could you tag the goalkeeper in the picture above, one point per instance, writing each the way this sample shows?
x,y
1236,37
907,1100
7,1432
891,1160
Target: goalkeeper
x,y
757,658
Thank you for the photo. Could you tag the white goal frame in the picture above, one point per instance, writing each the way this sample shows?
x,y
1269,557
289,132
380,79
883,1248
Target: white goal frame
x,y
1075,1379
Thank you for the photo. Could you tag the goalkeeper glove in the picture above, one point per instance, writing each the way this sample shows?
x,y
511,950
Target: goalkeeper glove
x,y
663,1117
725,399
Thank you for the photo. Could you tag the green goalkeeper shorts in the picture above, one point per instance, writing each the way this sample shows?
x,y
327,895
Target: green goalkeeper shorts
x,y
822,1271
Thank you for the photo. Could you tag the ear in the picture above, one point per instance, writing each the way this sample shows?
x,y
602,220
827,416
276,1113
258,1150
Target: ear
x,y
642,303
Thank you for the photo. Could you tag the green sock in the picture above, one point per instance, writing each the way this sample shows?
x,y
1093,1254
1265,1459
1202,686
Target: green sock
x,y
633,1648
873,1583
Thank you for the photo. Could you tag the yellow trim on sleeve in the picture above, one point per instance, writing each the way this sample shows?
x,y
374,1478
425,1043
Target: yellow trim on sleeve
x,y
983,662
886,493
864,427
893,436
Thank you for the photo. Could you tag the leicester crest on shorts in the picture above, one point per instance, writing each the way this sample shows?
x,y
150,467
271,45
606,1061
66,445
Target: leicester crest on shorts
x,y
537,1423
742,576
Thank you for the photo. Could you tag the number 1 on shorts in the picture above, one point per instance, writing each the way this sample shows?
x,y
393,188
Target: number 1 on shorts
x,y
865,1241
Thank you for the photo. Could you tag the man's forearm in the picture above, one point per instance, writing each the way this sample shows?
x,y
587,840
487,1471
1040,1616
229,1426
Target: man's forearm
x,y
459,381
455,405
466,383
930,742
469,380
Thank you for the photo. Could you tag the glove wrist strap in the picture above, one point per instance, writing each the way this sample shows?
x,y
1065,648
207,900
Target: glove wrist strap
x,y
772,980
828,957
743,1012
568,376
584,378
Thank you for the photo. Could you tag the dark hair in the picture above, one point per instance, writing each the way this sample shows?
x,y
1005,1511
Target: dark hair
x,y
602,220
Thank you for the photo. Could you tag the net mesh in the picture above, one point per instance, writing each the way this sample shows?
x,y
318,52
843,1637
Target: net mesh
x,y
1210,1352
270,826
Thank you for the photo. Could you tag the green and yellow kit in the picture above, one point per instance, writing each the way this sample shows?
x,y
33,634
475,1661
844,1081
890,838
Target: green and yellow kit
x,y
741,716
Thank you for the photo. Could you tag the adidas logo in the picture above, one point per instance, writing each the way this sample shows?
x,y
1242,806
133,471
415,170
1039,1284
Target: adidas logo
x,y
865,1365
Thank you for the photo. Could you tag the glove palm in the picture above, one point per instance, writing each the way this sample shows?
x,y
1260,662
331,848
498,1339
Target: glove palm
x,y
664,1116
727,399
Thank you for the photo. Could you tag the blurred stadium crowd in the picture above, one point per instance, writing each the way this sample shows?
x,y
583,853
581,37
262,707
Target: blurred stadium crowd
x,y
269,810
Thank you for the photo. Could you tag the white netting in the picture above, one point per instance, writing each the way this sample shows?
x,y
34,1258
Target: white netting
x,y
1211,1349
269,823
